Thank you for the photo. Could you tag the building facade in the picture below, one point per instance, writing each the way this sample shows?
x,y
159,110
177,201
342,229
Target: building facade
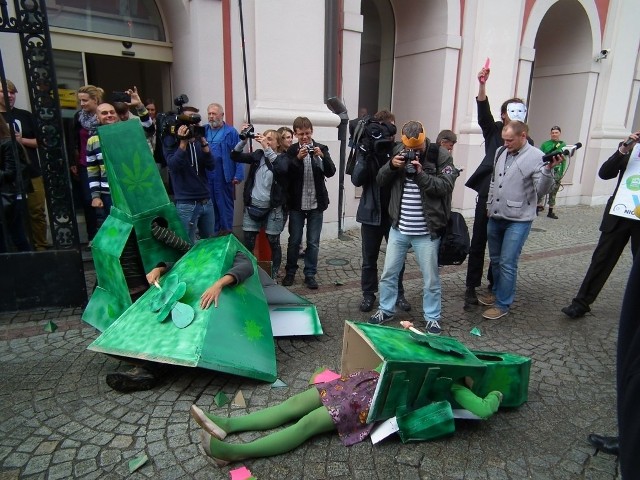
x,y
418,58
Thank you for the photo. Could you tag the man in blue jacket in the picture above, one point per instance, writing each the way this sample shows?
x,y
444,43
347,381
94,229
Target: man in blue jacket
x,y
222,139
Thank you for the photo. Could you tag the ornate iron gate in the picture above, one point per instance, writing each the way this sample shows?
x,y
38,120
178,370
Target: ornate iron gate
x,y
54,277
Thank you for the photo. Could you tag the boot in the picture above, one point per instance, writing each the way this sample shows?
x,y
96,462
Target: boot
x,y
551,214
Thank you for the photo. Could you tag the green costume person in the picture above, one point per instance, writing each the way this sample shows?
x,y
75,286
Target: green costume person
x,y
341,404
558,172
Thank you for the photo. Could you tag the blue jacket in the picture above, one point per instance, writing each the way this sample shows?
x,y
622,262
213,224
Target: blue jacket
x,y
221,143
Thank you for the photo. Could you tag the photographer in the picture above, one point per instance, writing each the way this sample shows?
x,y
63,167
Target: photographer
x,y
264,193
419,207
373,211
189,159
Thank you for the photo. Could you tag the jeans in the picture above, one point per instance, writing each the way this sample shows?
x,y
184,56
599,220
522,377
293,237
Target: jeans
x,y
426,252
198,215
314,228
506,239
372,236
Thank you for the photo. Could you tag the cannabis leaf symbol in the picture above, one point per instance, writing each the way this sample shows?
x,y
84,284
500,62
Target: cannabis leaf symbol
x,y
137,178
252,330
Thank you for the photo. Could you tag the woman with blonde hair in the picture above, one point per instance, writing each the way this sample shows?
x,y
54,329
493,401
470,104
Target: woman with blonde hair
x,y
85,122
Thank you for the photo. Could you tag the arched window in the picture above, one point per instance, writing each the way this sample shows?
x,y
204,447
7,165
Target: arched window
x,y
126,18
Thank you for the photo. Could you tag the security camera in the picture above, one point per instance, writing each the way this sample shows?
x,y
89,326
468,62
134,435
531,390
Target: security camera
x,y
602,55
128,45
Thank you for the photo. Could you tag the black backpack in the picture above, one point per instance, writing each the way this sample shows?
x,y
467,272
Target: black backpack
x,y
454,246
370,137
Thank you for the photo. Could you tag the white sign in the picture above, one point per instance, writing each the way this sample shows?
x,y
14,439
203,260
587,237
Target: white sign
x,y
627,199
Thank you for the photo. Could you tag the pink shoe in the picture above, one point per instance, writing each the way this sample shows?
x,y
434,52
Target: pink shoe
x,y
206,423
205,439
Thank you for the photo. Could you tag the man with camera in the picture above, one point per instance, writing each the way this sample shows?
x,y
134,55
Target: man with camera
x,y
519,176
421,187
373,209
190,162
309,165
222,139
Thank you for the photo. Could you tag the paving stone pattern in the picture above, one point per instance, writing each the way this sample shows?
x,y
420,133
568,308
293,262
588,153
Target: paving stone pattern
x,y
59,419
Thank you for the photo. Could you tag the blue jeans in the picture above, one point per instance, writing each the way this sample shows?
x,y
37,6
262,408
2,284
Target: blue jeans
x,y
506,239
296,226
426,252
198,215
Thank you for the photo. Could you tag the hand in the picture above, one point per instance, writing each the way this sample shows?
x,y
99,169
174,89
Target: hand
x,y
18,136
635,137
235,181
302,153
418,166
316,152
483,75
557,160
154,275
210,296
183,133
397,161
74,170
262,140
97,203
135,97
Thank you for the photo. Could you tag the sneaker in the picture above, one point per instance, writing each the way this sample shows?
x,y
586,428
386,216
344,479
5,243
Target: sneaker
x,y
379,317
367,303
575,310
433,327
470,296
403,304
494,313
310,282
287,281
487,300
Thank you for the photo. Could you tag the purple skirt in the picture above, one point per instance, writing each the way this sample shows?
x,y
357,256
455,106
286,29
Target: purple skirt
x,y
348,400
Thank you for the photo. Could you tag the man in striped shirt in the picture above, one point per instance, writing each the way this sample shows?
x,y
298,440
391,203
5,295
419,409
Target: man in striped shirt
x,y
421,179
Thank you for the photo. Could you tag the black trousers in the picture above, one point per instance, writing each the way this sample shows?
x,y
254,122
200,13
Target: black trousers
x,y
605,256
475,260
372,236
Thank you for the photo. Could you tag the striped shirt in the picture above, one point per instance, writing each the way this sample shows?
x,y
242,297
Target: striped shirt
x,y
412,220
98,184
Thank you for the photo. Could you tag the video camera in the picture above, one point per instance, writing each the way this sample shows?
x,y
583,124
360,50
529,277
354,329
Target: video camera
x,y
247,133
169,123
567,150
374,137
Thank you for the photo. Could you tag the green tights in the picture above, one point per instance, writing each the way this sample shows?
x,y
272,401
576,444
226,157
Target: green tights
x,y
482,407
306,407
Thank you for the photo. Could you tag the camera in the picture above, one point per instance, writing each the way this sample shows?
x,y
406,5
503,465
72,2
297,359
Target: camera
x,y
169,123
409,156
123,97
247,133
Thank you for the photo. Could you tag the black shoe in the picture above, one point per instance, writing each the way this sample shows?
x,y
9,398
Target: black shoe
x,y
470,296
539,209
402,304
552,215
366,305
134,380
610,445
310,282
575,310
287,281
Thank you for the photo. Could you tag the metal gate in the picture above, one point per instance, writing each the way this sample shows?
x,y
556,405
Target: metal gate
x,y
54,277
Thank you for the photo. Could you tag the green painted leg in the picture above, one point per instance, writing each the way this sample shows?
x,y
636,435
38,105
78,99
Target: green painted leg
x,y
482,407
314,423
291,409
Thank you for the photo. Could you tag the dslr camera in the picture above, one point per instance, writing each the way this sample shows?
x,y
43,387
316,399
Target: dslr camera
x,y
169,123
409,156
247,133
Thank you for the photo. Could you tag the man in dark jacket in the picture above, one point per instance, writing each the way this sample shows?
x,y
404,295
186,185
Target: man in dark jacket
x,y
188,160
373,212
309,165
419,208
616,232
480,179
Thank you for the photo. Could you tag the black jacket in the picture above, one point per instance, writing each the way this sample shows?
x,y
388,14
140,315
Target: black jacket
x,y
9,180
614,166
279,167
296,176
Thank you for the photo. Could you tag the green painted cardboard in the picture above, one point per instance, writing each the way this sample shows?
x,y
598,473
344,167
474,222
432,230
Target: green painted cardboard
x,y
235,337
414,374
427,423
507,373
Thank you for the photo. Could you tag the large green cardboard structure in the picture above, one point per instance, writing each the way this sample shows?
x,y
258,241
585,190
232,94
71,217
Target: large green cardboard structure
x,y
418,370
236,337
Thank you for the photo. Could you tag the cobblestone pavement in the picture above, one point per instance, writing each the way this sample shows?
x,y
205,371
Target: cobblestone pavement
x,y
58,418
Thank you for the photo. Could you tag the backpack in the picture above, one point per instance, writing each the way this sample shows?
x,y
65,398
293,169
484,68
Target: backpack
x,y
455,243
370,137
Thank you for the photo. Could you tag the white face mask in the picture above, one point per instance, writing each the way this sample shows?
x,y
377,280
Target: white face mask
x,y
517,111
